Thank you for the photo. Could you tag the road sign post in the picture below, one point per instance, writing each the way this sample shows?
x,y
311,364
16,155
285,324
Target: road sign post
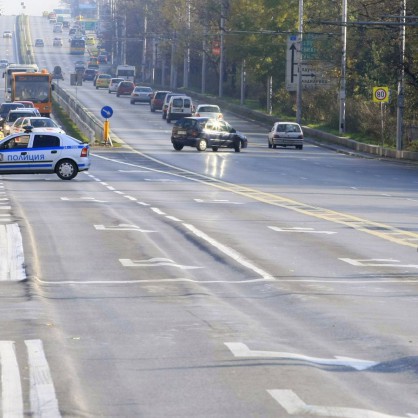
x,y
107,113
381,95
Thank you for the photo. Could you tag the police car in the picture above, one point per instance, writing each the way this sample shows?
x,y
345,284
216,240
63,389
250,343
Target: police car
x,y
43,152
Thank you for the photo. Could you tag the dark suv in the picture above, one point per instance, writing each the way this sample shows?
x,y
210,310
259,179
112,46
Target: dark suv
x,y
5,108
157,100
89,74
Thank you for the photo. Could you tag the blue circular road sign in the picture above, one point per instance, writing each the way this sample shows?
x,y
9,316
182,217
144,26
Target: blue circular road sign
x,y
106,112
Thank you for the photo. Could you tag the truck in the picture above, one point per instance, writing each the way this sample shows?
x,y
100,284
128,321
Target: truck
x,y
127,72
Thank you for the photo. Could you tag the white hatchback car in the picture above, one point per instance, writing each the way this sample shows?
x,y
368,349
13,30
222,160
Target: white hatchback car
x,y
113,85
286,134
43,152
35,124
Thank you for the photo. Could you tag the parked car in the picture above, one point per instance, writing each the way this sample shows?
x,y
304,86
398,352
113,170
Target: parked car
x,y
209,111
157,100
141,94
57,42
36,124
179,107
39,42
167,100
43,152
202,133
125,88
102,81
89,74
113,85
286,134
15,114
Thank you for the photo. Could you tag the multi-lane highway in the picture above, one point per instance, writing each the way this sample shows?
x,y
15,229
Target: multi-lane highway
x,y
266,283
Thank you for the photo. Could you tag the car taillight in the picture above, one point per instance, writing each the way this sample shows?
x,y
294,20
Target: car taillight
x,y
84,152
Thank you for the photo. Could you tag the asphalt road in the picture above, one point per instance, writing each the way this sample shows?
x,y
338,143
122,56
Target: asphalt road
x,y
266,283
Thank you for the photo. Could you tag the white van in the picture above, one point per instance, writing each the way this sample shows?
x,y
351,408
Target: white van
x,y
179,107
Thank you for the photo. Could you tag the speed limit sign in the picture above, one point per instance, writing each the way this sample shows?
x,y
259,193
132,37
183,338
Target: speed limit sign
x,y
380,94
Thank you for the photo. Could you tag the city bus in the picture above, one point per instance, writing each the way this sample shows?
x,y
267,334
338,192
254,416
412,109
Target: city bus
x,y
126,72
77,46
15,68
34,87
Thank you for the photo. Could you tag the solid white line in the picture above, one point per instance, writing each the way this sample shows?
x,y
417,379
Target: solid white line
x,y
43,400
11,253
12,401
158,211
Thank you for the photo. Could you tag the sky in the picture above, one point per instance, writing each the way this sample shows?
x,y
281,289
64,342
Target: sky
x,y
32,7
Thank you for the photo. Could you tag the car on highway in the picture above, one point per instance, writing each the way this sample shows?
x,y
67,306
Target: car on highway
x,y
286,134
125,88
202,133
14,114
79,66
167,100
36,152
103,81
7,34
5,108
39,42
157,100
113,85
179,107
25,103
208,111
4,63
57,42
36,123
89,74
141,94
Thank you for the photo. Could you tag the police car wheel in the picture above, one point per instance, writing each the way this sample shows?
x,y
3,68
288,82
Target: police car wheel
x,y
66,170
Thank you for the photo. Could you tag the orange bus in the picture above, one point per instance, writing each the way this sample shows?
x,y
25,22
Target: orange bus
x,y
34,87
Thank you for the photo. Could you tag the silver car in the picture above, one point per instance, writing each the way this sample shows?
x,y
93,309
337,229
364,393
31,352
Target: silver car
x,y
43,152
113,85
286,134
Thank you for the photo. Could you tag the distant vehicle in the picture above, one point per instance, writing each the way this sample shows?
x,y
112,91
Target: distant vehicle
x,y
37,123
209,111
179,107
125,88
6,107
39,42
79,66
141,94
103,81
90,40
127,72
44,152
113,85
7,34
167,100
57,28
89,74
203,133
8,76
15,114
102,58
157,100
77,46
57,73
4,63
286,134
57,42
25,103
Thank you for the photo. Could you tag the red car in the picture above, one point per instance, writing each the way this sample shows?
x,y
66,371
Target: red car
x,y
125,88
157,100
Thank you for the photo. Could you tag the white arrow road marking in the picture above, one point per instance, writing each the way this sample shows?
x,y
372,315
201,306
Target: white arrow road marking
x,y
241,350
295,406
85,199
377,262
218,201
304,230
154,262
121,227
11,394
42,393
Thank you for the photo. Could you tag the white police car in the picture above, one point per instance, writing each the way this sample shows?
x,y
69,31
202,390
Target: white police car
x,y
43,152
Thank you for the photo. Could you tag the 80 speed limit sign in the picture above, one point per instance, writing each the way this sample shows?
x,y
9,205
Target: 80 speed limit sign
x,y
380,94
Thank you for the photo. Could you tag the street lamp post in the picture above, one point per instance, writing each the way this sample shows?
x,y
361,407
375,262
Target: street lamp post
x,y
299,83
343,67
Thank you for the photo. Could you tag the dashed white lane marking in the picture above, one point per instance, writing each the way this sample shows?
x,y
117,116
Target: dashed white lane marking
x,y
11,395
301,230
241,350
44,403
158,211
11,253
378,262
122,227
295,406
155,262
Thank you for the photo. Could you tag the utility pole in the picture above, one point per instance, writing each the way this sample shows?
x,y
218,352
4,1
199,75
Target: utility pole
x,y
401,93
299,84
343,67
